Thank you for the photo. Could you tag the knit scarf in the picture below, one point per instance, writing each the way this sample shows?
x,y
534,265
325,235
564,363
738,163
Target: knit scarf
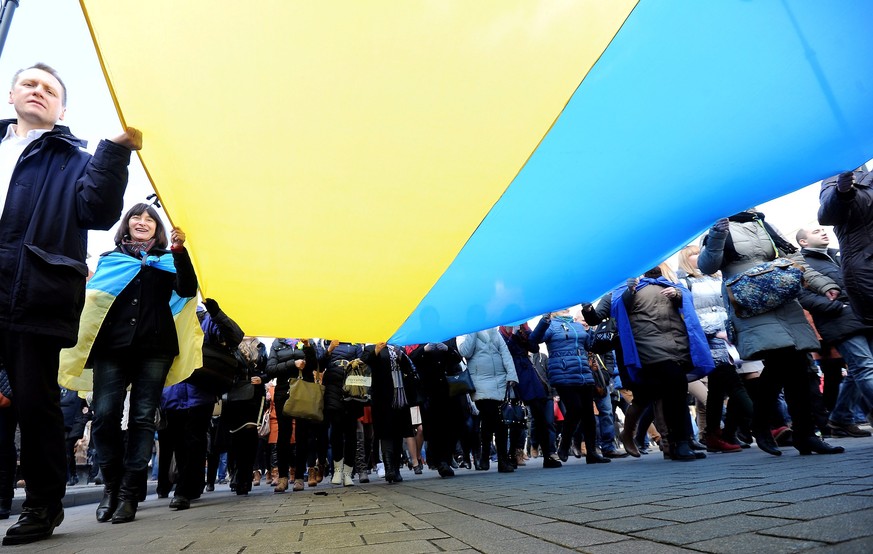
x,y
399,400
137,249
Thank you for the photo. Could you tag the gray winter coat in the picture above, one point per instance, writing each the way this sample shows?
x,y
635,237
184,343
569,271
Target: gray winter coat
x,y
783,327
489,363
851,214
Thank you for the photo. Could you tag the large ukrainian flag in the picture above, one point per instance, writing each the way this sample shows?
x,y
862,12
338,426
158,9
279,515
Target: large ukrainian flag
x,y
415,170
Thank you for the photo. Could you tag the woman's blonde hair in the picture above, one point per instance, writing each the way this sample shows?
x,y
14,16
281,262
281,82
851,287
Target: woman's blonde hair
x,y
685,260
668,272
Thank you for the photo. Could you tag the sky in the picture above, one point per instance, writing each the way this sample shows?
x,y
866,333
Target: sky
x,y
55,32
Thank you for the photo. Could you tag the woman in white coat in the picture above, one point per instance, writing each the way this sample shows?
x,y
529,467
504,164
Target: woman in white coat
x,y
492,369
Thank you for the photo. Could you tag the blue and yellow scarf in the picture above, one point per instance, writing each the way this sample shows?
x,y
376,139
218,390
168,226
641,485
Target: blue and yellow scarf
x,y
114,272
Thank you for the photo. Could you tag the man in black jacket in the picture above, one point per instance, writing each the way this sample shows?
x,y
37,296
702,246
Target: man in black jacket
x,y
838,324
847,204
51,192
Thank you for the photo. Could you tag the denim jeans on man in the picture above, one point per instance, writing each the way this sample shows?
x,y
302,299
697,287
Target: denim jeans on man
x,y
856,389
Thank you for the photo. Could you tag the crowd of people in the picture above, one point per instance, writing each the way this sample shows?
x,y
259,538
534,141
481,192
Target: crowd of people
x,y
652,349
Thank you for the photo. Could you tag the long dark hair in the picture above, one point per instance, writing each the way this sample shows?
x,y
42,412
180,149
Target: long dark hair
x,y
123,232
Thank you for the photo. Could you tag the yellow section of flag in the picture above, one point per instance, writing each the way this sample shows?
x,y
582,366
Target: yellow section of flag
x,y
327,160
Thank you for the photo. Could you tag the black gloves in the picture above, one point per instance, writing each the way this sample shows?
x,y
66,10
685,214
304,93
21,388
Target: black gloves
x,y
211,306
721,226
845,181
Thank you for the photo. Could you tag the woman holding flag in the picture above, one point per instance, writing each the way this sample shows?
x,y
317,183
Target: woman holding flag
x,y
135,346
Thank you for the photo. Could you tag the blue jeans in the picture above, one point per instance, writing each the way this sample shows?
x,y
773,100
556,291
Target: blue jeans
x,y
605,423
856,389
543,432
113,373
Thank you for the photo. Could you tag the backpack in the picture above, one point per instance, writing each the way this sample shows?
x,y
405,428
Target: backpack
x,y
356,386
249,350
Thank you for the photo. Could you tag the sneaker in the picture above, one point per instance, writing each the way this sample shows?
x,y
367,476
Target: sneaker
x,y
846,430
380,470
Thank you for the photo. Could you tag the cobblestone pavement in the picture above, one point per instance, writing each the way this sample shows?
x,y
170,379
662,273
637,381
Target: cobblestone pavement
x,y
731,503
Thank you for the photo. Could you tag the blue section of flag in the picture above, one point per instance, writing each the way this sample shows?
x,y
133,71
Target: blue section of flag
x,y
697,110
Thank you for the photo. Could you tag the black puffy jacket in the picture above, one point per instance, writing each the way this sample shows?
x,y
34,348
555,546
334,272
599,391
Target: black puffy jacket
x,y
281,364
834,319
851,214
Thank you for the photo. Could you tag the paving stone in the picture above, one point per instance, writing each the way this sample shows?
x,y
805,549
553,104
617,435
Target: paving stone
x,y
514,519
685,533
582,515
751,543
526,544
702,497
709,511
857,546
732,504
808,493
814,509
570,535
635,546
627,525
408,547
398,536
831,529
450,544
622,501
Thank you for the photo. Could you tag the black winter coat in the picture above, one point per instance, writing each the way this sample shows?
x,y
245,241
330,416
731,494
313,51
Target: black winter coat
x,y
281,366
333,364
140,317
835,319
57,192
389,422
851,214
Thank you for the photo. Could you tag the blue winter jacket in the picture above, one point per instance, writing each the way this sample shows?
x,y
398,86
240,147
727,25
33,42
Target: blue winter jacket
x,y
183,396
567,342
529,385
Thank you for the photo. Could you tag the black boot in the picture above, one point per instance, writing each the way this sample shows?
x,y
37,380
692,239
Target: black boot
x,y
682,452
808,445
396,449
109,502
128,497
126,511
387,459
591,455
765,442
631,417
503,463
34,524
